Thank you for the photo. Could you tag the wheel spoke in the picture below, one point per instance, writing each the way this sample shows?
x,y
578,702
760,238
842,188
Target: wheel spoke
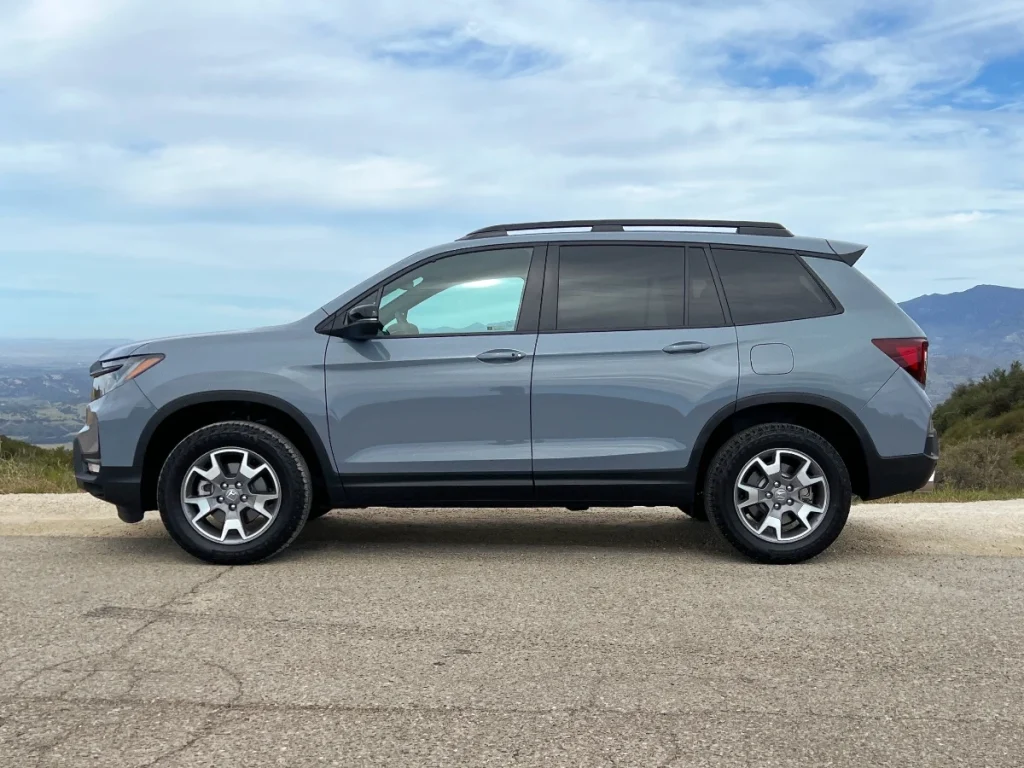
x,y
214,473
205,506
232,522
753,495
259,503
802,477
772,520
771,469
805,511
248,471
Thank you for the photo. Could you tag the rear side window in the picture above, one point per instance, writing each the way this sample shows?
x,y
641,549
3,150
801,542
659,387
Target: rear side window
x,y
704,307
620,287
766,287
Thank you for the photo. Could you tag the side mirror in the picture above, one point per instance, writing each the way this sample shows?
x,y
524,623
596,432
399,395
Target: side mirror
x,y
361,323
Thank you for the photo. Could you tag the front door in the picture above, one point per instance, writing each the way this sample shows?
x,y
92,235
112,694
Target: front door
x,y
634,358
436,409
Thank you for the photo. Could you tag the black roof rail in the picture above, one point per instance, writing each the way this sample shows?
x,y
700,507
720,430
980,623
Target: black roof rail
x,y
763,228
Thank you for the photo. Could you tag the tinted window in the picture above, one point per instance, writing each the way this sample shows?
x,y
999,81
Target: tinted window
x,y
620,287
765,287
705,309
478,292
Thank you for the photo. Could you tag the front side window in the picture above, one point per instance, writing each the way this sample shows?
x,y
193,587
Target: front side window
x,y
620,287
476,292
769,287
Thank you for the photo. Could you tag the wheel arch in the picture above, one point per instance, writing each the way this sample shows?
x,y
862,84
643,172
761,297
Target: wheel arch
x,y
182,416
831,419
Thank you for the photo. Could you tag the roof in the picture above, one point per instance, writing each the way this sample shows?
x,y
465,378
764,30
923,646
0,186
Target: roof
x,y
751,233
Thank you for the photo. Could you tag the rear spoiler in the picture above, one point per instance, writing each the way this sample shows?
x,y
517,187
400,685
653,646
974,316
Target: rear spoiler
x,y
848,252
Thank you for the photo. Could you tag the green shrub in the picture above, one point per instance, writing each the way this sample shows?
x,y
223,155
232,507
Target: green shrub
x,y
998,395
982,463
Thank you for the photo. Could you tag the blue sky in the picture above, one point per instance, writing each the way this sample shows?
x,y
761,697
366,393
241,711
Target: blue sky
x,y
196,165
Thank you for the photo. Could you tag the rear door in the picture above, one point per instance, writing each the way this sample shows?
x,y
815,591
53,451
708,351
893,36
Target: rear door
x,y
634,357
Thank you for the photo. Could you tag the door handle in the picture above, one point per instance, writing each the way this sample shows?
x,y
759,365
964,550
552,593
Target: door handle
x,y
686,348
500,356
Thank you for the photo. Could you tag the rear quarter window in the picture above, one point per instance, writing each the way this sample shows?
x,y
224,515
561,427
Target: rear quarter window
x,y
769,287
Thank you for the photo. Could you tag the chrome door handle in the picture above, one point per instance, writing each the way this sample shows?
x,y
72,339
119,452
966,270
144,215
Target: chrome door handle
x,y
500,356
686,347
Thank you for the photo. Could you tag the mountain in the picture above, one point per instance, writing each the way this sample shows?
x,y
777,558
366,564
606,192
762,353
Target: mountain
x,y
971,332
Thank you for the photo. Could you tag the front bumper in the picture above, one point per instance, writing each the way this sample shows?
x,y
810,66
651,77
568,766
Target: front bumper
x,y
900,474
113,474
121,486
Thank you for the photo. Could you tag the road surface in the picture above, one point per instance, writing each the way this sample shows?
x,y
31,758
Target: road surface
x,y
512,637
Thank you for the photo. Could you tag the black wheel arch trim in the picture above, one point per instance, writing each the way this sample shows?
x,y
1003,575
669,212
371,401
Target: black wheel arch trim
x,y
168,410
871,456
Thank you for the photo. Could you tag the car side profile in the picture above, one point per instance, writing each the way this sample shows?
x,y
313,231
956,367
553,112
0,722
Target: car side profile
x,y
748,376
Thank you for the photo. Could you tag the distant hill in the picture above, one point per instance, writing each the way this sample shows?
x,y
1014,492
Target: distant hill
x,y
44,386
971,333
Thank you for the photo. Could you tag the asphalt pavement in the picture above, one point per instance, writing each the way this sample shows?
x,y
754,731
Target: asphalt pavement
x,y
512,637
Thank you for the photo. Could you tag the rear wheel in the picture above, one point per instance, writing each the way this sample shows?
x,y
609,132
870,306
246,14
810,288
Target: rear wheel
x,y
234,493
779,493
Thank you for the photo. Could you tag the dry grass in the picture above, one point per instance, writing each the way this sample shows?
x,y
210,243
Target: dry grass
x,y
25,468
952,495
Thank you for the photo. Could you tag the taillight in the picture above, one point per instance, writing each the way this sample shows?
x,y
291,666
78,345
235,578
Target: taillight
x,y
909,354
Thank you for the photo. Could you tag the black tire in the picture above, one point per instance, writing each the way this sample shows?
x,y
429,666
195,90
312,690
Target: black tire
x,y
284,458
697,512
741,448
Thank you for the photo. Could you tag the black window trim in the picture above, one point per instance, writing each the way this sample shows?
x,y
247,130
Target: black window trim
x,y
529,307
800,257
549,305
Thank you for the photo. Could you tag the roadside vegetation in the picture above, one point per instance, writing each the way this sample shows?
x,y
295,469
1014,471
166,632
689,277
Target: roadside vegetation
x,y
26,468
981,433
981,438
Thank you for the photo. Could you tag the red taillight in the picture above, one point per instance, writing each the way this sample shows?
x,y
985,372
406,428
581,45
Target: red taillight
x,y
909,354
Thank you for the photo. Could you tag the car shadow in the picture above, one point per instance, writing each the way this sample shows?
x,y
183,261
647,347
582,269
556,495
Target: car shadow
x,y
501,528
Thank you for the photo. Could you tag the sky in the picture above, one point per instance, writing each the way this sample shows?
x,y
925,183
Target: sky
x,y
195,165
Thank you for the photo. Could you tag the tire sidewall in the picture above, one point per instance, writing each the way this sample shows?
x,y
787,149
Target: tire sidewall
x,y
274,448
742,448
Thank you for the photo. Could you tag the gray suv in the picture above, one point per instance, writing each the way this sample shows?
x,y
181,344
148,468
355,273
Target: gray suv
x,y
751,378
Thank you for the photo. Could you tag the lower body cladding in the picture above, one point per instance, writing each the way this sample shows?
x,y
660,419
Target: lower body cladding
x,y
888,476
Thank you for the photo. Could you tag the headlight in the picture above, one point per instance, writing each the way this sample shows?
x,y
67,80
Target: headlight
x,y
108,374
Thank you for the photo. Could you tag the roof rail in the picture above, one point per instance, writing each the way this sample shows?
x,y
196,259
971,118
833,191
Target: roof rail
x,y
763,228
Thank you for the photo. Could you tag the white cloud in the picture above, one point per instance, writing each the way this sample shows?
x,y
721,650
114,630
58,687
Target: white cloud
x,y
139,128
215,174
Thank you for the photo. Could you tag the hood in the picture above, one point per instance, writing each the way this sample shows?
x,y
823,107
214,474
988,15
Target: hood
x,y
219,338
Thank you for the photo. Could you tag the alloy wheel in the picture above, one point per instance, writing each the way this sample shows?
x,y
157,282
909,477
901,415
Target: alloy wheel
x,y
781,495
230,495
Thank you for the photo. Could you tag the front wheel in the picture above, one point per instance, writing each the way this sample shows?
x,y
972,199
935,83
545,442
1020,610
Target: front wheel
x,y
234,493
779,493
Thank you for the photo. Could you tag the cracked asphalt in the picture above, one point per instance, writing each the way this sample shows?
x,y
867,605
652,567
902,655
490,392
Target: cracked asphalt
x,y
512,637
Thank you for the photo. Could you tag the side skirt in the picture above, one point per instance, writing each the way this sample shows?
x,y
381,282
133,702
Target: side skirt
x,y
604,489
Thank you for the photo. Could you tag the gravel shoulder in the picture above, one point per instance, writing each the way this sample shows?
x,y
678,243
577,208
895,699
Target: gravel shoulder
x,y
988,528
